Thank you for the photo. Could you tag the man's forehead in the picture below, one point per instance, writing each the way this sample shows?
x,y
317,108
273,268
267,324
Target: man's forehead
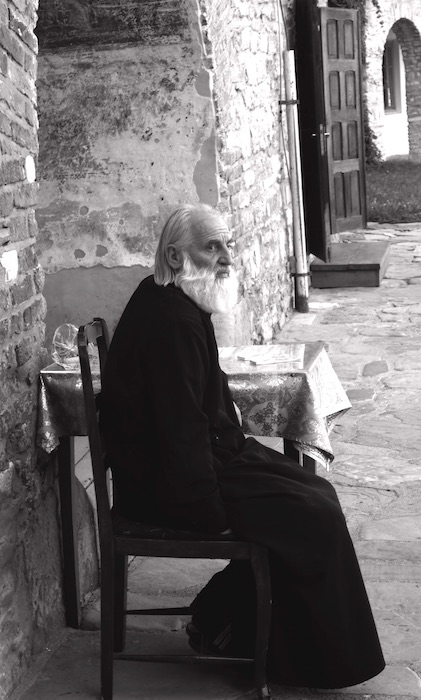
x,y
209,224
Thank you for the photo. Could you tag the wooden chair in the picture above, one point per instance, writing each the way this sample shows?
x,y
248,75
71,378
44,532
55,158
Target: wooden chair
x,y
117,543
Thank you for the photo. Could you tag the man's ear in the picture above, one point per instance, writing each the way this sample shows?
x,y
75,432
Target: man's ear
x,y
174,257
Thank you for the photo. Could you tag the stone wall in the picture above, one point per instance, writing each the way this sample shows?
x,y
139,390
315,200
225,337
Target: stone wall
x,y
137,113
404,18
30,577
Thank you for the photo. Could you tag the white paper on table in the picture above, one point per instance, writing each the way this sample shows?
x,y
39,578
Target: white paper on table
x,y
273,354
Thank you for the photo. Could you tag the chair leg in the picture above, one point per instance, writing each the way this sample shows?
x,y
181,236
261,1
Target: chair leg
x,y
107,628
120,600
260,564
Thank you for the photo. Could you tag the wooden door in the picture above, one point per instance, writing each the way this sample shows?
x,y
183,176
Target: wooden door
x,y
341,67
313,132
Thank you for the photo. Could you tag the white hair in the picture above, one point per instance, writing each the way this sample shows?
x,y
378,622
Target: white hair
x,y
177,230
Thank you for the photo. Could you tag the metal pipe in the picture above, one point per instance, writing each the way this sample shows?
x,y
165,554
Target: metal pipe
x,y
301,274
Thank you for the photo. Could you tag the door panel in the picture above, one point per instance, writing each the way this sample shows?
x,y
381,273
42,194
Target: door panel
x,y
341,67
311,109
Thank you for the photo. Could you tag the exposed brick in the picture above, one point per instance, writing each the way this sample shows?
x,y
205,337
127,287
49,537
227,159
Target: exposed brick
x,y
22,291
3,62
16,323
5,299
7,359
23,136
11,171
4,329
32,225
30,40
15,24
23,351
4,240
4,12
18,228
5,125
31,114
11,44
26,195
30,65
27,259
6,203
39,279
19,438
33,313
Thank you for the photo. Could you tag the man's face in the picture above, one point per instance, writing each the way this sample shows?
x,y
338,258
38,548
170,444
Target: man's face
x,y
211,245
206,274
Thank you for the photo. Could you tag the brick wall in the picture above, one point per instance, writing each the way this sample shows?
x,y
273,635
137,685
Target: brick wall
x,y
30,580
244,54
404,18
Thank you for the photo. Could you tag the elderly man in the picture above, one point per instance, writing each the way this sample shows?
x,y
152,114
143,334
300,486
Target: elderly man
x,y
180,459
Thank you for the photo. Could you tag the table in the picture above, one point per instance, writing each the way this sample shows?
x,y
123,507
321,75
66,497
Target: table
x,y
297,403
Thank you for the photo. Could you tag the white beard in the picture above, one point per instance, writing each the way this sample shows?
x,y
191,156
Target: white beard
x,y
213,294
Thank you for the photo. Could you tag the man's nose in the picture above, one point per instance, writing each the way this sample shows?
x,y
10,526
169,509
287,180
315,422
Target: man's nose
x,y
225,257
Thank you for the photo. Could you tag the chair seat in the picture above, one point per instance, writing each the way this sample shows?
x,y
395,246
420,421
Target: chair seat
x,y
129,528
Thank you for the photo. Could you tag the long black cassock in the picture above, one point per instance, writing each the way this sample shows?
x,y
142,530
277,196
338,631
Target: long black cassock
x,y
179,458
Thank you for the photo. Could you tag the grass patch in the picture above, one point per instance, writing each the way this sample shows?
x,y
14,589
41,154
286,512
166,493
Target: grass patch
x,y
394,192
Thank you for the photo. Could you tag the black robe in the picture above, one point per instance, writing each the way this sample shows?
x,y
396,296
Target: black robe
x,y
179,458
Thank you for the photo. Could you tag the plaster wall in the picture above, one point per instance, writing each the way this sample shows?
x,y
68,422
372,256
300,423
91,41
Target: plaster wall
x,y
127,131
137,117
404,17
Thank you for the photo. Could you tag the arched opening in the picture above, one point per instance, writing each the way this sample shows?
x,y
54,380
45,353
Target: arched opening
x,y
396,141
402,97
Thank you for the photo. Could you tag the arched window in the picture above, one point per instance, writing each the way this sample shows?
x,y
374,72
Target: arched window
x,y
392,75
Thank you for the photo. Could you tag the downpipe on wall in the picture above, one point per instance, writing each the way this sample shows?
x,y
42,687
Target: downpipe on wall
x,y
301,274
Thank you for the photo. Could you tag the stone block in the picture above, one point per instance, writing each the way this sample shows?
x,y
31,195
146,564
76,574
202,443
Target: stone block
x,y
30,65
5,126
23,351
26,195
16,323
11,44
6,203
5,299
374,368
27,259
33,313
32,225
23,290
4,329
11,171
24,137
18,226
3,62
39,279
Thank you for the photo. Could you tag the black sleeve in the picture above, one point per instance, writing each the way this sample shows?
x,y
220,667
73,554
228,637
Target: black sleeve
x,y
178,369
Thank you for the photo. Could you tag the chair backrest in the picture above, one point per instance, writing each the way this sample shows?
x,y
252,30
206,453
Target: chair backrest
x,y
96,332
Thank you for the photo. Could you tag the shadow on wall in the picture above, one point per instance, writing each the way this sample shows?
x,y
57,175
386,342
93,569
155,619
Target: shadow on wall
x,y
77,295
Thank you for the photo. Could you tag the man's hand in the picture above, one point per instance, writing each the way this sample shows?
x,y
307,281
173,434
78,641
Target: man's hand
x,y
226,532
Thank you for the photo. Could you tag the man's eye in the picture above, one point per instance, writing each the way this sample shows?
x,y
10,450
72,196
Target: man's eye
x,y
211,246
231,245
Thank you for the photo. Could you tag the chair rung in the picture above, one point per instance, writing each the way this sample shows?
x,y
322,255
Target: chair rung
x,y
183,658
159,611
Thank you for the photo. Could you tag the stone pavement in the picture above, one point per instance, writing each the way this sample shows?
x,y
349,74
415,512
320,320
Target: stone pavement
x,y
374,341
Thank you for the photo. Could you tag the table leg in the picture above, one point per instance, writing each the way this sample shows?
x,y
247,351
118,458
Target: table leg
x,y
308,463
67,485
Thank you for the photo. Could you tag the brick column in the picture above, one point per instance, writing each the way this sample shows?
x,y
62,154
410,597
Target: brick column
x,y
30,585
